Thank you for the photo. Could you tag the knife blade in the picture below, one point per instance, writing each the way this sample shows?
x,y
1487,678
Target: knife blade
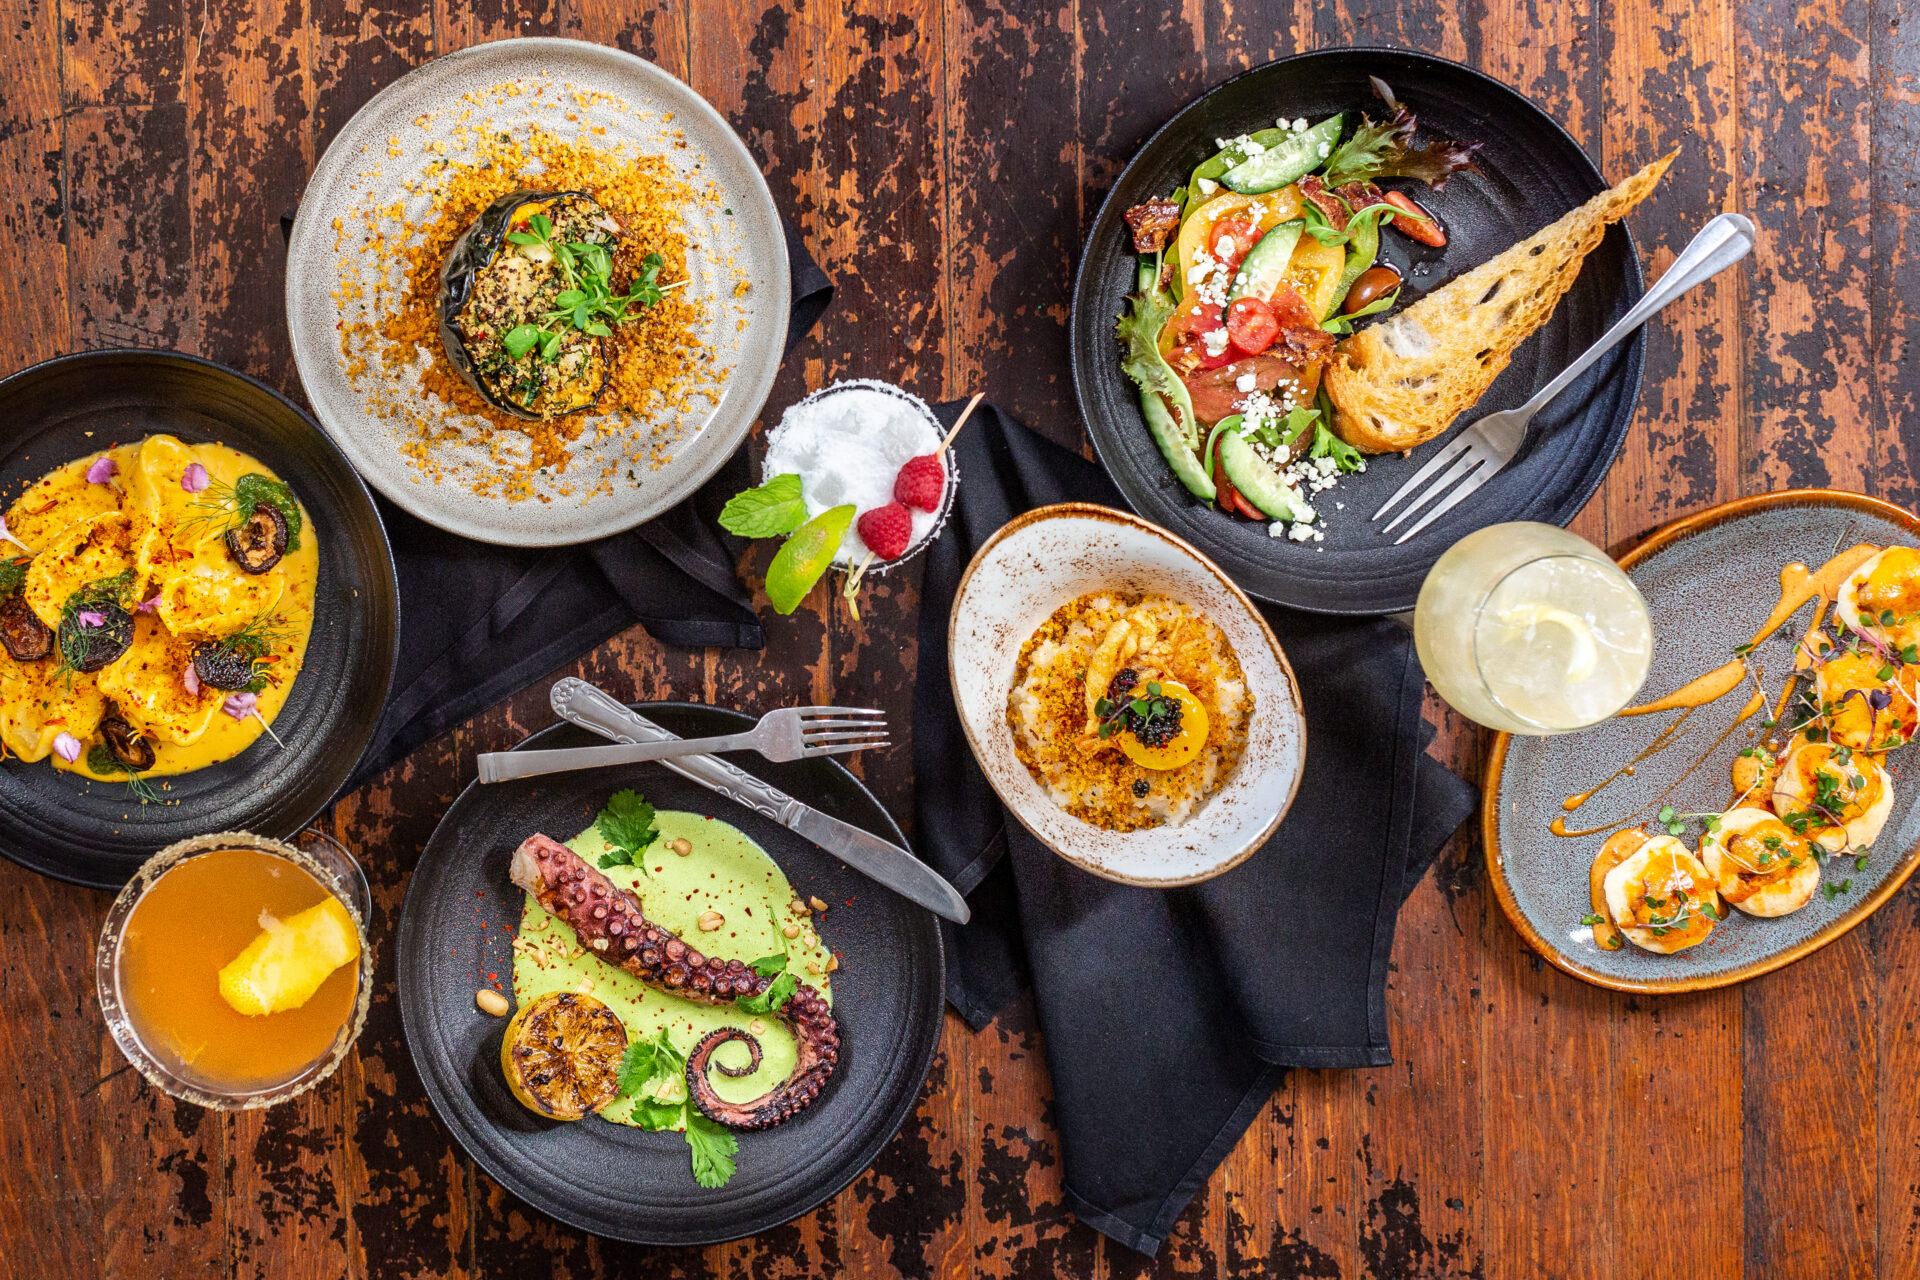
x,y
594,709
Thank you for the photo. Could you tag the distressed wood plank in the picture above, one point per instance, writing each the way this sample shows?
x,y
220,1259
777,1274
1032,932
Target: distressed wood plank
x,y
1810,1146
1805,180
128,227
125,52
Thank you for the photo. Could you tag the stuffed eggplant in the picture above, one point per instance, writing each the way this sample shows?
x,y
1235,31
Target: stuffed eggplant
x,y
508,297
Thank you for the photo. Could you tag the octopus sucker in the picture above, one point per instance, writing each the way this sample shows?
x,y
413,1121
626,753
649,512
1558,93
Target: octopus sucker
x,y
616,929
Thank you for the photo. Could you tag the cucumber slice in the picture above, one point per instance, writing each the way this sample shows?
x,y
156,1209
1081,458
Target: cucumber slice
x,y
1174,447
1260,483
1265,265
1290,161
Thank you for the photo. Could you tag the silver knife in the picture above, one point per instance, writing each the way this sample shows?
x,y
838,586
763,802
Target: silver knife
x,y
594,709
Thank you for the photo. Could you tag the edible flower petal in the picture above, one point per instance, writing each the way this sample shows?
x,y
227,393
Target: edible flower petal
x,y
239,705
90,618
190,678
67,747
148,605
8,536
102,470
195,479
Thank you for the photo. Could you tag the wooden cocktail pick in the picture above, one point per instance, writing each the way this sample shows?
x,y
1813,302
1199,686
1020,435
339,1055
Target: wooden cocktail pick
x,y
860,570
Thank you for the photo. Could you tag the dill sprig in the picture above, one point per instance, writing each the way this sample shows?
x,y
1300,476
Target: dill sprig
x,y
102,760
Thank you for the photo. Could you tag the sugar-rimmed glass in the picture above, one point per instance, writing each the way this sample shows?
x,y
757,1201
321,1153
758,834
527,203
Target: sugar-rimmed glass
x,y
315,853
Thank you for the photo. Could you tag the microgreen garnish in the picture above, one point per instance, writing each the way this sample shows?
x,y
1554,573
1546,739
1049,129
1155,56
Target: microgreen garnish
x,y
626,824
13,576
1593,919
588,302
1675,822
87,628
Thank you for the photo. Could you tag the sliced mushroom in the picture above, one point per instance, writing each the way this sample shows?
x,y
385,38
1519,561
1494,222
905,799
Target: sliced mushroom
x,y
125,744
89,646
257,545
220,667
27,638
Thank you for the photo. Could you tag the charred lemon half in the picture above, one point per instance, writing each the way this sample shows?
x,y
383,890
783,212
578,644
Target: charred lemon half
x,y
562,1054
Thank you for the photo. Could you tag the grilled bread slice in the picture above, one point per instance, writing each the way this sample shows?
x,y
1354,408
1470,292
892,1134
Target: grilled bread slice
x,y
1400,383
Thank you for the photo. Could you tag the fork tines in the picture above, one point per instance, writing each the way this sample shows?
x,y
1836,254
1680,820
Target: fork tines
x,y
832,731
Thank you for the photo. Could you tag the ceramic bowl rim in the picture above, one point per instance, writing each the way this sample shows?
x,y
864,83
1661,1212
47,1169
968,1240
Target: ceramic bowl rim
x,y
1015,806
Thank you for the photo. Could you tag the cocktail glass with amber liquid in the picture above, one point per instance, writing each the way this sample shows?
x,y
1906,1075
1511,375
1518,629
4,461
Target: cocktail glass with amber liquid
x,y
1531,629
253,908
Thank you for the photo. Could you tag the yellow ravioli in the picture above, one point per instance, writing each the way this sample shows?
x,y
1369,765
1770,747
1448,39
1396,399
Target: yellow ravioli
x,y
147,685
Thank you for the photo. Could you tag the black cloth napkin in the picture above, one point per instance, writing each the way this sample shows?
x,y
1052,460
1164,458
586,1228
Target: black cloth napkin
x,y
479,622
1170,1016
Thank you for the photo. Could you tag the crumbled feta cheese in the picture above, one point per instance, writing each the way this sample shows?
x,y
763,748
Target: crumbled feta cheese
x,y
1300,125
1325,149
1301,532
1246,382
1305,515
1208,186
1225,246
1215,341
1250,148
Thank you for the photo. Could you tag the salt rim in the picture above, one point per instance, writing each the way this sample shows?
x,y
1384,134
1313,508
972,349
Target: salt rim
x,y
853,549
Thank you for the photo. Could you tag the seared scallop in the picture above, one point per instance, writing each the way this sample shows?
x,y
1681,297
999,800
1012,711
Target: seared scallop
x,y
1662,897
1882,597
1760,864
1868,701
1834,795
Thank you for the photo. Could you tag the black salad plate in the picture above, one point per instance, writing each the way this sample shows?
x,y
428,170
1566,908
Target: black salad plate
x,y
617,1181
1531,174
96,833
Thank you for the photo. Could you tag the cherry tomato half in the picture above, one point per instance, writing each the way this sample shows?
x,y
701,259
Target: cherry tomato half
x,y
1422,227
1228,242
1252,326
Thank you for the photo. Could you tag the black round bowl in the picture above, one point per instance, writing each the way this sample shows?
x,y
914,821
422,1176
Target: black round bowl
x,y
96,833
614,1180
1531,173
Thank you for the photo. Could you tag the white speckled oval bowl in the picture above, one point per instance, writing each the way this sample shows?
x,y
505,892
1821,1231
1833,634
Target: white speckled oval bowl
x,y
1709,581
1051,555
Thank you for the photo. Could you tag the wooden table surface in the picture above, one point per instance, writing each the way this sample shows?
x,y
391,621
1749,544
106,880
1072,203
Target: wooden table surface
x,y
943,160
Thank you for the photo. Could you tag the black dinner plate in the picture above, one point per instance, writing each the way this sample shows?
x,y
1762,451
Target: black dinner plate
x,y
95,833
613,1180
1531,173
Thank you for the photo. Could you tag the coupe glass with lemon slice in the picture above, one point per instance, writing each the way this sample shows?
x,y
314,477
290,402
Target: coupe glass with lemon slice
x,y
1531,629
234,970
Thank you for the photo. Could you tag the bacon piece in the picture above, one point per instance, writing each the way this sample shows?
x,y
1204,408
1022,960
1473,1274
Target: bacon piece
x,y
1302,341
1153,224
1315,192
1360,194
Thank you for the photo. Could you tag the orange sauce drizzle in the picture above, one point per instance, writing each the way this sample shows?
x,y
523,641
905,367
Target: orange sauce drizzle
x,y
1623,845
1798,585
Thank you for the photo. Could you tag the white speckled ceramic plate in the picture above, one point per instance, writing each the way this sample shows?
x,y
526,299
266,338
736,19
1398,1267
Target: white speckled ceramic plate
x,y
1709,580
566,87
1051,555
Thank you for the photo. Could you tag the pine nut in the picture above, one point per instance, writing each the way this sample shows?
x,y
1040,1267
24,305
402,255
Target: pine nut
x,y
791,930
816,904
833,963
813,966
711,920
682,846
758,1027
491,1001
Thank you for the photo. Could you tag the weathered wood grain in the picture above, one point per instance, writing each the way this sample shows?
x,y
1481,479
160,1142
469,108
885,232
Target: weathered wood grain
x,y
943,160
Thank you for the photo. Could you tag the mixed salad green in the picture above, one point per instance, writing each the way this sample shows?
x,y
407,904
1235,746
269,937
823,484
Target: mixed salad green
x,y
1248,276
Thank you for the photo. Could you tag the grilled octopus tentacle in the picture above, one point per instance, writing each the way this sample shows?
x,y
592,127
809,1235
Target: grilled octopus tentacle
x,y
609,922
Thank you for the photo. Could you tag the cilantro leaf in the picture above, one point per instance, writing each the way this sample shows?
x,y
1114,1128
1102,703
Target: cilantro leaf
x,y
773,509
769,1001
768,966
657,1115
626,824
647,1061
714,1147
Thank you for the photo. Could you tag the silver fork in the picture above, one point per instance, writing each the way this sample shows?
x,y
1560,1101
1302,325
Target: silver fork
x,y
1477,454
791,733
